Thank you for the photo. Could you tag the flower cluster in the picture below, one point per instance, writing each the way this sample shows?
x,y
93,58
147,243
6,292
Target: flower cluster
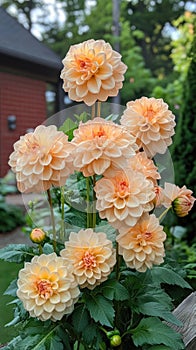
x,y
118,160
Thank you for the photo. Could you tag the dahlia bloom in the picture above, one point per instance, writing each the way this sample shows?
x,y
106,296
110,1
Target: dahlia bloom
x,y
101,145
140,162
92,71
92,256
123,198
180,199
47,287
41,159
142,245
151,122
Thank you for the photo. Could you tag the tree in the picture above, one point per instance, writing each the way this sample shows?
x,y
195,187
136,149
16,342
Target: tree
x,y
184,148
24,9
172,93
149,20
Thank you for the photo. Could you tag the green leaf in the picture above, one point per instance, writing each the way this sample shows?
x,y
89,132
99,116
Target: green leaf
x,y
100,308
80,318
91,335
165,275
12,288
152,331
55,343
112,289
156,309
47,248
16,253
68,128
158,347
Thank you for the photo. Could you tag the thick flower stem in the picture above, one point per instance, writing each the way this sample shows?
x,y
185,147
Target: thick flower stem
x,y
62,212
52,219
98,108
94,202
88,202
118,259
164,213
40,249
93,111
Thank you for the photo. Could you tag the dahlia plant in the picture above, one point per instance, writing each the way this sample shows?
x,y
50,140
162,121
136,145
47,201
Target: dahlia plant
x,y
96,277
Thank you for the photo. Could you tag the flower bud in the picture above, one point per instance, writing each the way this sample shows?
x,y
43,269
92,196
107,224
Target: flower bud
x,y
115,340
37,235
182,205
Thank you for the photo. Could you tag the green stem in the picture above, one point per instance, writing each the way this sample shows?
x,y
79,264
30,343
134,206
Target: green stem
x,y
88,202
52,219
62,212
164,213
40,249
94,202
118,259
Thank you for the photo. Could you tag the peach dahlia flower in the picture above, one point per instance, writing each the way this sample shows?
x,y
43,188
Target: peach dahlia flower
x,y
140,162
101,145
180,199
92,256
123,198
47,287
151,122
41,159
92,71
142,245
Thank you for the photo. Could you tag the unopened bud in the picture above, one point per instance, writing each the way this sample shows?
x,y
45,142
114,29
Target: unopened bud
x,y
37,235
182,205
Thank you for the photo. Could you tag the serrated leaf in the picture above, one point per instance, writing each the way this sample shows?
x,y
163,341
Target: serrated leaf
x,y
55,343
47,248
156,309
80,318
91,335
153,332
68,128
12,288
16,253
159,347
165,275
113,289
101,309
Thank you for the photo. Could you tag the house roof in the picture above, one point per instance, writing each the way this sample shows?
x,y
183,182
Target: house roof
x,y
18,42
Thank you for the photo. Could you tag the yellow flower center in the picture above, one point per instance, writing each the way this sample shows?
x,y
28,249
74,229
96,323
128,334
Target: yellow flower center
x,y
44,288
89,261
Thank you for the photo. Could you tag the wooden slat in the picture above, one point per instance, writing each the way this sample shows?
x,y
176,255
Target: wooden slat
x,y
186,313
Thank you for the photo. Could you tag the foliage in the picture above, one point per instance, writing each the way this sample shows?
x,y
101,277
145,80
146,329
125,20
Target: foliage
x,y
149,19
93,317
172,93
11,217
184,147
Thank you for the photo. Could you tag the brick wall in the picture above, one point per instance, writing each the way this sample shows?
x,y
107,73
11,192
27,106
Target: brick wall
x,y
25,98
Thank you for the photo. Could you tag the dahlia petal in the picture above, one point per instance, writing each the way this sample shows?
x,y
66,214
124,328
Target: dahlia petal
x,y
94,85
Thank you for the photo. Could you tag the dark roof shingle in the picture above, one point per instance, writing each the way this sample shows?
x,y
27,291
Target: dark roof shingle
x,y
18,42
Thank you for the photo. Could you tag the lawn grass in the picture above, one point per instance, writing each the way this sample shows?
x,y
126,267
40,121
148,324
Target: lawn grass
x,y
8,272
